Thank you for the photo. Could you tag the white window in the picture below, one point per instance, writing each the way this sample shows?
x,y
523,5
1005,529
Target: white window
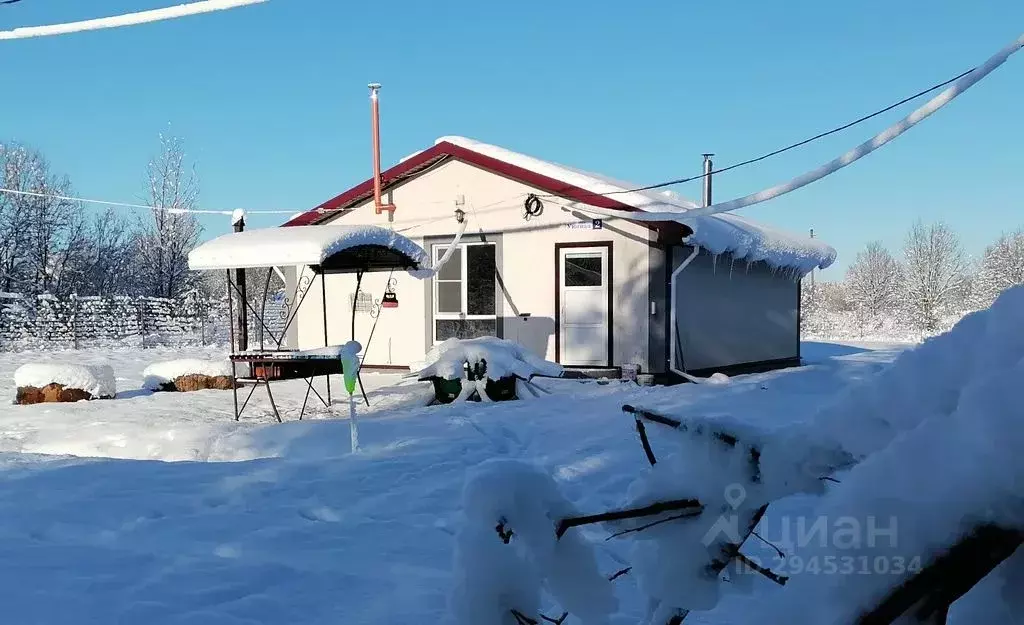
x,y
464,292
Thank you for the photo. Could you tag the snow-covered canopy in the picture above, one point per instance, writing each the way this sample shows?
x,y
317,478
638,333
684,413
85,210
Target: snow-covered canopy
x,y
309,245
719,234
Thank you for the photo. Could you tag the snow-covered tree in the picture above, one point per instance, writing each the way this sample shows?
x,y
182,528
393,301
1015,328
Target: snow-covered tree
x,y
170,231
874,283
936,269
1002,266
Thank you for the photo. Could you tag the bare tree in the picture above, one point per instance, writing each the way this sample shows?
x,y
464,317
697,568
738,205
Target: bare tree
x,y
34,225
171,231
874,283
101,261
936,269
1002,267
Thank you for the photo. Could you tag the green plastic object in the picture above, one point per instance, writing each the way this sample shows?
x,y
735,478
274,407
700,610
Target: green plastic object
x,y
445,391
350,365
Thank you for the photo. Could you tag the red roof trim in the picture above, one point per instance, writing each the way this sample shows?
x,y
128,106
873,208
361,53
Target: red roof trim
x,y
445,149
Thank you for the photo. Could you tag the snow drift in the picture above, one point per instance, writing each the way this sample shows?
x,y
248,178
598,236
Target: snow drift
x,y
941,432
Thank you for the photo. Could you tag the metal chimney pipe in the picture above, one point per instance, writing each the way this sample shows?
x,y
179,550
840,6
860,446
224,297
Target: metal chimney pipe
x,y
708,168
379,206
375,124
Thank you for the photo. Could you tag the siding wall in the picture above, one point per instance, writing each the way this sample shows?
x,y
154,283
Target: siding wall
x,y
734,313
493,204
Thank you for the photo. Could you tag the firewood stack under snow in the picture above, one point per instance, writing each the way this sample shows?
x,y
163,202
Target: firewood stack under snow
x,y
188,374
44,382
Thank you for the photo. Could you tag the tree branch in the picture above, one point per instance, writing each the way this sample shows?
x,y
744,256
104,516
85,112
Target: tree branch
x,y
630,513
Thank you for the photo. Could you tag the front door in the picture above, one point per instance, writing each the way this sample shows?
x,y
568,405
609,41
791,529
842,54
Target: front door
x,y
583,330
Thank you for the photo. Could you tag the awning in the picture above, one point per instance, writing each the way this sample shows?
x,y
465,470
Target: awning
x,y
327,249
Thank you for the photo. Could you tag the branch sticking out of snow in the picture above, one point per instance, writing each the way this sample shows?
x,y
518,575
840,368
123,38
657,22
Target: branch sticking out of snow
x,y
128,19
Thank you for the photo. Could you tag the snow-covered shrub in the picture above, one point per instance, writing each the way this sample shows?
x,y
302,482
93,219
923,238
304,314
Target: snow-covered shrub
x,y
508,500
930,450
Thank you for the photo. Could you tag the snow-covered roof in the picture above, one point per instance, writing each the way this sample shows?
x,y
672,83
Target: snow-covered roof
x,y
310,245
719,234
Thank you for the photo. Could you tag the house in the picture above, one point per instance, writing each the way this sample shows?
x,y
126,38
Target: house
x,y
559,261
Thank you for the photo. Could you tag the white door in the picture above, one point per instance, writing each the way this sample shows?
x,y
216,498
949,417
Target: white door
x,y
583,331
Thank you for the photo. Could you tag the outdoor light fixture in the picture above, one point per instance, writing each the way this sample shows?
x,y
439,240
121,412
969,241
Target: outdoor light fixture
x,y
460,215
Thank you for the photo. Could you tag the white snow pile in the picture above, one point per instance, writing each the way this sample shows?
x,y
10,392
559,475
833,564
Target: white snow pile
x,y
493,578
715,379
296,246
97,380
944,423
501,358
156,375
720,233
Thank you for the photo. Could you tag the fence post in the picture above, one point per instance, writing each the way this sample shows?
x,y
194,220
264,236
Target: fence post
x,y
142,320
74,319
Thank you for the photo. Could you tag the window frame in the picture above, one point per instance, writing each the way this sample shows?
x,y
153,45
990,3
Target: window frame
x,y
437,251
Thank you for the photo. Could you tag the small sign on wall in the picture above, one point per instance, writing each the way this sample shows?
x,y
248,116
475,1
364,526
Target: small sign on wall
x,y
593,224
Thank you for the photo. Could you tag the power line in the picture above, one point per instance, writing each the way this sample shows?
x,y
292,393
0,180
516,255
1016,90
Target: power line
x,y
851,156
198,211
788,147
68,198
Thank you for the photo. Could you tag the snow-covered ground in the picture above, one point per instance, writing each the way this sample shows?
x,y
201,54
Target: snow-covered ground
x,y
289,526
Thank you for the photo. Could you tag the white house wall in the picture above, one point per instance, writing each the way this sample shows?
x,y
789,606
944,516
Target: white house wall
x,y
494,204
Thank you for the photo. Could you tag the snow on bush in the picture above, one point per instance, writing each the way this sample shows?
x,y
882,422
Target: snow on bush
x,y
156,375
493,578
503,358
96,380
732,469
944,425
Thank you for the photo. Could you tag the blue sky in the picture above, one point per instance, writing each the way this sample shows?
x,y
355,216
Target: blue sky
x,y
271,99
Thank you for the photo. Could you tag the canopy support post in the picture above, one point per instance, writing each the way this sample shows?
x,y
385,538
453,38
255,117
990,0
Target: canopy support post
x,y
323,298
231,330
355,299
243,320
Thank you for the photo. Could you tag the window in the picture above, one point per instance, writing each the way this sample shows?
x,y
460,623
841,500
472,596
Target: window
x,y
582,270
464,292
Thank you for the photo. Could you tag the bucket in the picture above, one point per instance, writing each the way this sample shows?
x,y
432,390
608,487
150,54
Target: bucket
x,y
630,371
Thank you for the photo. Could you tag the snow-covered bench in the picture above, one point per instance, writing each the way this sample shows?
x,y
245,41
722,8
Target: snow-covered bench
x,y
484,369
188,374
45,382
